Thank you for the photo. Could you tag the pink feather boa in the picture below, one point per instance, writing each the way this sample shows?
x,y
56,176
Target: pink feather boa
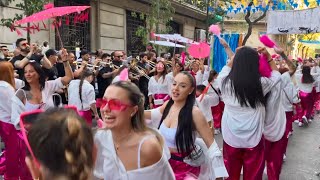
x,y
264,67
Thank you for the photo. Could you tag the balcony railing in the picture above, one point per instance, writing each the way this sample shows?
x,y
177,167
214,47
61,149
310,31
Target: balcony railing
x,y
198,4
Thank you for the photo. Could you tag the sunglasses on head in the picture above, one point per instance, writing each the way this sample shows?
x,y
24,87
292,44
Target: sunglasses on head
x,y
24,44
114,105
26,121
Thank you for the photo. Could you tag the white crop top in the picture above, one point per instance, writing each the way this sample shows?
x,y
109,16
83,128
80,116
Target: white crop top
x,y
169,135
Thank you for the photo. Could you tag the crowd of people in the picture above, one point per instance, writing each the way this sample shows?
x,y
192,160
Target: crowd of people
x,y
159,123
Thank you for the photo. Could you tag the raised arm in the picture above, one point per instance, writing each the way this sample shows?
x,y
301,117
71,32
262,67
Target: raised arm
x,y
67,68
45,62
227,48
291,66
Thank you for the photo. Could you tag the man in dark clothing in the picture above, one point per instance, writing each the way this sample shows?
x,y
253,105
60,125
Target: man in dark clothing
x,y
52,73
143,81
5,51
27,53
105,75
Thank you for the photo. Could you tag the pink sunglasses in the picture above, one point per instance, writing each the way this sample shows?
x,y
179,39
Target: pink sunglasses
x,y
26,121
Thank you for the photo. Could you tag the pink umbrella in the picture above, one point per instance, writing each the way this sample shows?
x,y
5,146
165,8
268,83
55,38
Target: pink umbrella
x,y
52,12
201,50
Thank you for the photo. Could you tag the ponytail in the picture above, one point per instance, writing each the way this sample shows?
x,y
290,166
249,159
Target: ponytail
x,y
86,73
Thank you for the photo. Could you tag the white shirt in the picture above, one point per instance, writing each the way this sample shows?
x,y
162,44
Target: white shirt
x,y
108,165
88,95
199,77
307,88
50,88
205,106
19,83
214,96
162,86
275,122
6,93
242,127
289,93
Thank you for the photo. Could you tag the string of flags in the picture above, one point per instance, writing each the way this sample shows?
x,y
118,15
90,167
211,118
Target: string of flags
x,y
242,6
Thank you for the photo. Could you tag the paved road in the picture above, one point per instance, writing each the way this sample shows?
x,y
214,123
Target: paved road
x,y
303,153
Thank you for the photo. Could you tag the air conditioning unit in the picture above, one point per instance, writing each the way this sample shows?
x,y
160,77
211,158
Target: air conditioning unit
x,y
4,2
200,35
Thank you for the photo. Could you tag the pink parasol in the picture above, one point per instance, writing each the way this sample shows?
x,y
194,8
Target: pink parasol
x,y
201,50
53,12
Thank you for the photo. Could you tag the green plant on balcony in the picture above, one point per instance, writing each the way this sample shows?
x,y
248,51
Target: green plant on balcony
x,y
160,13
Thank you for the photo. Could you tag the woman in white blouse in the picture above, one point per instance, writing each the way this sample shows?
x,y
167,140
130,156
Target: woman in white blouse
x,y
37,92
126,148
306,83
13,164
159,86
243,92
82,95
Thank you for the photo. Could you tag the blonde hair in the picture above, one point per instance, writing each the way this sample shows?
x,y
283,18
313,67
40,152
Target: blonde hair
x,y
63,143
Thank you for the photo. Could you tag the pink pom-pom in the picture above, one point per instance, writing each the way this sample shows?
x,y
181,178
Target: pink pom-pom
x,y
124,75
215,29
100,123
300,59
264,67
264,39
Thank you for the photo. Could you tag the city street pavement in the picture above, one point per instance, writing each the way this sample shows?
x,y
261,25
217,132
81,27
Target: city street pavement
x,y
303,153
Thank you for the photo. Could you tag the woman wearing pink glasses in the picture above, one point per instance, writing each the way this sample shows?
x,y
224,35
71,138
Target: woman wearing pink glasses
x,y
159,86
126,148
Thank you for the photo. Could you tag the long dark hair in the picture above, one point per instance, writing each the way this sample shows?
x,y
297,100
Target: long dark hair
x,y
306,75
42,76
245,78
164,73
184,135
86,73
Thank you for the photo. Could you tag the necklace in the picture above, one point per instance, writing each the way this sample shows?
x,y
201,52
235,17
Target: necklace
x,y
128,136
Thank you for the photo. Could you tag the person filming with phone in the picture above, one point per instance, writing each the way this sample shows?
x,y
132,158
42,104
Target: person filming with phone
x,y
27,53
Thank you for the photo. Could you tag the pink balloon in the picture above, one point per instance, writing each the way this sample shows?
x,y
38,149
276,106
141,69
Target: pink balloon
x,y
215,29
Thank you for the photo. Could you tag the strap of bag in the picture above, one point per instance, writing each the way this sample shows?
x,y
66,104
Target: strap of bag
x,y
215,91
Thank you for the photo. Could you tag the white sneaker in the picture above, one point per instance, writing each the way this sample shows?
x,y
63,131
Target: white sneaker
x,y
300,124
305,120
217,131
296,121
309,120
284,157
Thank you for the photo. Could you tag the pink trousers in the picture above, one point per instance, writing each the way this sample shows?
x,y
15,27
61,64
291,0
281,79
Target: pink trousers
x,y
87,115
15,153
217,112
274,157
251,159
182,170
289,117
307,102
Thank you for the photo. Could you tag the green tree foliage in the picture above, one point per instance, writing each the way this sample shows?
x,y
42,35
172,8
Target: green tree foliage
x,y
160,13
28,7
